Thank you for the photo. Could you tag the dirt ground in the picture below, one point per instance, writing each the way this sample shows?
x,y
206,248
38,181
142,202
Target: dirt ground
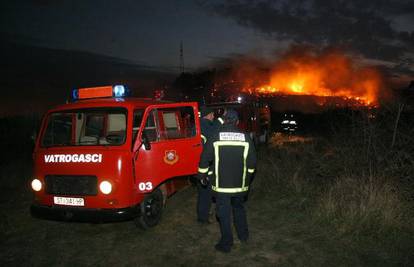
x,y
177,241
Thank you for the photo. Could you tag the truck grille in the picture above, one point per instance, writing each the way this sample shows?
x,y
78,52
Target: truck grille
x,y
81,185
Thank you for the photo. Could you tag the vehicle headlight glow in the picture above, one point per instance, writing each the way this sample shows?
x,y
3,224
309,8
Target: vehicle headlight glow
x,y
36,185
105,187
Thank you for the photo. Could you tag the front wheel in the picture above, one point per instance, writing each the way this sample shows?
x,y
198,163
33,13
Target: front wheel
x,y
151,210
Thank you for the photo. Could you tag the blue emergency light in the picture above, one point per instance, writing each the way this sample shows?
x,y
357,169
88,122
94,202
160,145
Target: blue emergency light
x,y
75,94
102,91
119,91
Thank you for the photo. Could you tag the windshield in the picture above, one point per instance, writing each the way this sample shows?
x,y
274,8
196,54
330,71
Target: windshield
x,y
98,126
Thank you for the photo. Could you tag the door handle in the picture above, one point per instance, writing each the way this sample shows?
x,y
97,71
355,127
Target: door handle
x,y
197,145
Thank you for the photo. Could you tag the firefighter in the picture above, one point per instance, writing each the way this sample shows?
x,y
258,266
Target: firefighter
x,y
232,156
207,123
208,127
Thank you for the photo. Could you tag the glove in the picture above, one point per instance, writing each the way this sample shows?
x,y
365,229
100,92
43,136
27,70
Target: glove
x,y
203,178
204,181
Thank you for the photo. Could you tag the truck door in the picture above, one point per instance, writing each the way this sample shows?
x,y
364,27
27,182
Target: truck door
x,y
168,144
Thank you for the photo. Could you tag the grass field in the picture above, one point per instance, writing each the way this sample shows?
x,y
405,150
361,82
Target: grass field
x,y
294,220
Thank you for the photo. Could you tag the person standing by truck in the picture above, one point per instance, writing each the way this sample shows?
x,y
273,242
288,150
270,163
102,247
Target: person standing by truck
x,y
204,198
233,157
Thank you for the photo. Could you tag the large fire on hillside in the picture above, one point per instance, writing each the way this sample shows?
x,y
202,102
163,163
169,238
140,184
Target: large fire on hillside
x,y
326,74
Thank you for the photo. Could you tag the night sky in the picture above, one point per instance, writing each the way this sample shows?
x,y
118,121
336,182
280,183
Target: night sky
x,y
148,34
143,32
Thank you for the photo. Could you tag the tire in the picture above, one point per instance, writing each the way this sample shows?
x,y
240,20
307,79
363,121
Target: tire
x,y
150,210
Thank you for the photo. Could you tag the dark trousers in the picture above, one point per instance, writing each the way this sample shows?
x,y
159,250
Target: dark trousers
x,y
225,205
203,202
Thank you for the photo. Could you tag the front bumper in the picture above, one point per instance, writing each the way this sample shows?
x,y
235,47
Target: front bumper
x,y
83,214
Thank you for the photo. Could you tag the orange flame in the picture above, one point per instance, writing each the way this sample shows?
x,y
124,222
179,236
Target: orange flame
x,y
331,74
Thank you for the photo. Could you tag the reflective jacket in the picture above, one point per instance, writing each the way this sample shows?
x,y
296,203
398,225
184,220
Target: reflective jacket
x,y
218,122
232,155
208,128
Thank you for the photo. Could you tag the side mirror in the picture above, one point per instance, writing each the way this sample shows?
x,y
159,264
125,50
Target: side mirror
x,y
145,141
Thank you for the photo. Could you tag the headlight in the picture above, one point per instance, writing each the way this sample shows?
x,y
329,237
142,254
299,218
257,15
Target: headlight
x,y
36,185
105,187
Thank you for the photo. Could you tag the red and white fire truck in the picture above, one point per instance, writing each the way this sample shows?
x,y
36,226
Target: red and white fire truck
x,y
107,157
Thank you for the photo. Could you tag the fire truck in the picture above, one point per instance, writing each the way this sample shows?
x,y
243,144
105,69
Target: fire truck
x,y
107,157
254,117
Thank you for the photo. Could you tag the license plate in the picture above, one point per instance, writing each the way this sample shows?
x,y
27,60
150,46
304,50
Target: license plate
x,y
69,201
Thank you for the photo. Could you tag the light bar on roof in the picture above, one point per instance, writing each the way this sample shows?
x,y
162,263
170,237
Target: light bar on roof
x,y
98,92
119,90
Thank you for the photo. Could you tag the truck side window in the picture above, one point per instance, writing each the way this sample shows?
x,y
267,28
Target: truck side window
x,y
150,127
171,125
136,123
177,123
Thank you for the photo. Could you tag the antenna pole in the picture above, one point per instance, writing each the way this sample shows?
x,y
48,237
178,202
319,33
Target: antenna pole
x,y
181,58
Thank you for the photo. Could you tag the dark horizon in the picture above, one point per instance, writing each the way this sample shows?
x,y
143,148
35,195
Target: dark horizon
x,y
37,78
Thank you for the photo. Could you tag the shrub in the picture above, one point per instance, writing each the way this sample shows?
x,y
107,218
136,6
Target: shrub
x,y
358,178
363,205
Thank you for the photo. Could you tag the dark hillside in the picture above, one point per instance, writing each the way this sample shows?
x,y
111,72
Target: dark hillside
x,y
37,77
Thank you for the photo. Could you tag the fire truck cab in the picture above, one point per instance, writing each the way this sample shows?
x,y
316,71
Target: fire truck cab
x,y
254,118
107,157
